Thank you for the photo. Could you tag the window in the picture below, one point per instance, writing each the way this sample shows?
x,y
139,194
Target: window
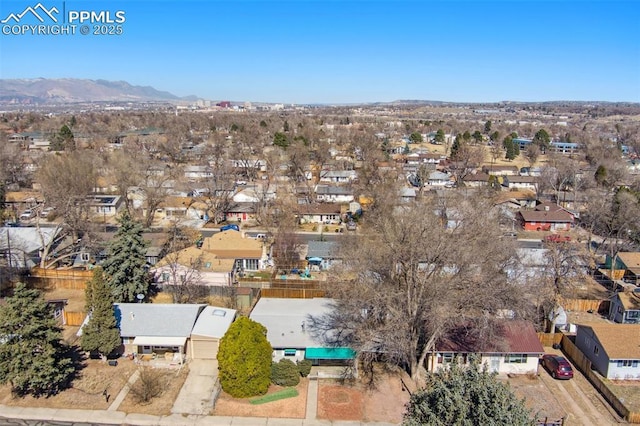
x,y
633,314
165,277
289,352
596,350
446,358
626,363
251,264
516,358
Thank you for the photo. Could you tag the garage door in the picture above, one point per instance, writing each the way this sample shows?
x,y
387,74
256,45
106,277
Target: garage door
x,y
205,349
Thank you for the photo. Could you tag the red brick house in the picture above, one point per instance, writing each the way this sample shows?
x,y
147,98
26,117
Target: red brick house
x,y
546,217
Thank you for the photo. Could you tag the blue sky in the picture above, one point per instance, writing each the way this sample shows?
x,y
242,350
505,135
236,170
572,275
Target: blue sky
x,y
342,51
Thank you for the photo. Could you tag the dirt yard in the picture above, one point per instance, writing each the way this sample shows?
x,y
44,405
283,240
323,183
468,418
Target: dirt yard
x,y
87,390
294,408
537,396
343,402
162,404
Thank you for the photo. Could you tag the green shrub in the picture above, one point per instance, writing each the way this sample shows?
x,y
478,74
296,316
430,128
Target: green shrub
x,y
244,359
304,367
285,373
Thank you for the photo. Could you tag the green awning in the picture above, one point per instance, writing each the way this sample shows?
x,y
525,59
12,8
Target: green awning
x,y
330,353
289,352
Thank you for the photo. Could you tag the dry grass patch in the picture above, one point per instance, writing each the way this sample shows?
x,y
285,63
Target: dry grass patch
x,y
87,391
159,405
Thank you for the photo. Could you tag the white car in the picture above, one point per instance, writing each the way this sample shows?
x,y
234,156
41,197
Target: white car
x,y
27,214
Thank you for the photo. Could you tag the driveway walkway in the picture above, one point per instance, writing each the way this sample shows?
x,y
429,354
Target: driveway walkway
x,y
195,395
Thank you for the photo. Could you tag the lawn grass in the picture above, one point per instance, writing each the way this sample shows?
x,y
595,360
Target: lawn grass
x,y
283,394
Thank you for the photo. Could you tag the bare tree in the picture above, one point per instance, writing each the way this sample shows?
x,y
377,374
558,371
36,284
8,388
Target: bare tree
x,y
565,268
67,180
419,276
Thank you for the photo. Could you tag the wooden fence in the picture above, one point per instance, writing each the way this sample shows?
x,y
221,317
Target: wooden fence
x,y
583,364
74,318
550,339
67,279
585,305
292,293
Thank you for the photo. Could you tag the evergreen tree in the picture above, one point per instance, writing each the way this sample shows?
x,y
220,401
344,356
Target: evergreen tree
x,y
510,148
466,396
601,175
125,267
542,139
439,136
415,137
280,139
477,136
63,140
32,357
455,147
244,359
101,333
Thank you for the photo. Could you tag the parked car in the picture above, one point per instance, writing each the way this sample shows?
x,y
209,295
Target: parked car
x,y
557,366
47,212
557,238
230,226
351,226
27,214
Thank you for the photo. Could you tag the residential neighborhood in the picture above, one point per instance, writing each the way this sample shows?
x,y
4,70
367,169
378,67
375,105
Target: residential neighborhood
x,y
312,241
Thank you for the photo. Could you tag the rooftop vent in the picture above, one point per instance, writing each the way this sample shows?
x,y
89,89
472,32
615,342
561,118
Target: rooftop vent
x,y
219,313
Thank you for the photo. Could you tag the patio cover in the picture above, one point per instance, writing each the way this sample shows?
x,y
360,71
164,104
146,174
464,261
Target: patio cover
x,y
330,353
159,341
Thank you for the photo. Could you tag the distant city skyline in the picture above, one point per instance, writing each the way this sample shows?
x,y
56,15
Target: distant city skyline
x,y
328,52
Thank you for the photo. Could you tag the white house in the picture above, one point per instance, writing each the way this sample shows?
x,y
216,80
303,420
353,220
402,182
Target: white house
x,y
513,349
198,172
338,176
333,194
194,266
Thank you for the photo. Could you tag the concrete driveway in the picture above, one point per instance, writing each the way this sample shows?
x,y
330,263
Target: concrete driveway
x,y
195,395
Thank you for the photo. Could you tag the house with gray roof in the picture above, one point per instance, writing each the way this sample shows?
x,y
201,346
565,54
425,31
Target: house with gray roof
x,y
333,194
147,328
322,254
291,332
21,246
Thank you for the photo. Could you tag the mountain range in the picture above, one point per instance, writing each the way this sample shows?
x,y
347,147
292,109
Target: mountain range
x,y
72,90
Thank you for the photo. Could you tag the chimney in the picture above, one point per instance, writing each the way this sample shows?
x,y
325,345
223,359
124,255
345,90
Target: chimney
x,y
546,208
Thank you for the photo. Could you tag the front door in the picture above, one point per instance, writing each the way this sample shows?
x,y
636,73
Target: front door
x,y
495,364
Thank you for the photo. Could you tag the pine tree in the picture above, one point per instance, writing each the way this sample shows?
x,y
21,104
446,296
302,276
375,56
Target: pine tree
x,y
244,359
466,396
125,267
101,333
510,149
32,357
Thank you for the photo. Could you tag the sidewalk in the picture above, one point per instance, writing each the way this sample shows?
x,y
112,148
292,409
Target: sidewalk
x,y
120,418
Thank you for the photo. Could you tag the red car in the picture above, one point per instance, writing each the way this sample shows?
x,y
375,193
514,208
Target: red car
x,y
557,366
557,238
